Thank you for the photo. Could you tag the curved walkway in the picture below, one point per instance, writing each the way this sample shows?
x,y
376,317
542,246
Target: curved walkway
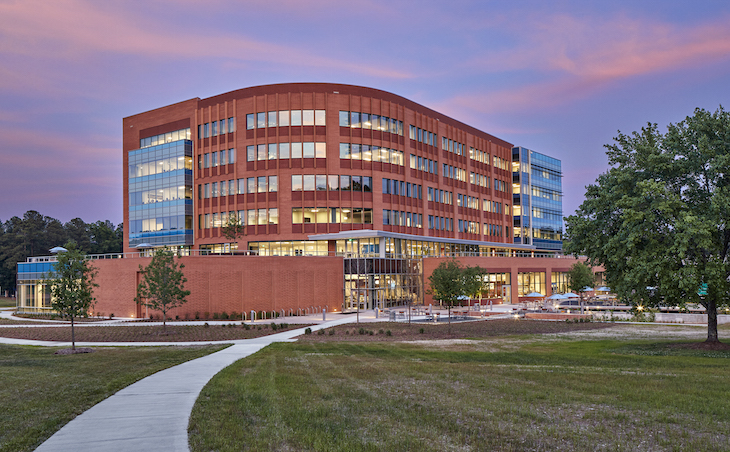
x,y
153,413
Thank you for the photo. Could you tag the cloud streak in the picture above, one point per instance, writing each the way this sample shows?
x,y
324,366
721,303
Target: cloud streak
x,y
571,58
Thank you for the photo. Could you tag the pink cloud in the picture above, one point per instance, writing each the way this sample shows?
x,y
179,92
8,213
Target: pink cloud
x,y
72,29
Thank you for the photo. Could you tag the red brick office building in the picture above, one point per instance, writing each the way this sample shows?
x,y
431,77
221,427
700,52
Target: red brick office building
x,y
379,188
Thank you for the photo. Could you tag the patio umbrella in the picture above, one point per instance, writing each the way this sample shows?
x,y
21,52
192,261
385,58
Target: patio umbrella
x,y
534,295
571,295
556,296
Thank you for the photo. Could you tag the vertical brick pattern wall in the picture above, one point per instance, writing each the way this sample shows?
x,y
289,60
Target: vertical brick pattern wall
x,y
229,284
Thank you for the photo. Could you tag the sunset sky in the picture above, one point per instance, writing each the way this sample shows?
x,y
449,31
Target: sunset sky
x,y
558,77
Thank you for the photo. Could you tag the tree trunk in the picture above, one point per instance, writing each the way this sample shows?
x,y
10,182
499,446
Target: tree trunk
x,y
711,308
73,337
164,323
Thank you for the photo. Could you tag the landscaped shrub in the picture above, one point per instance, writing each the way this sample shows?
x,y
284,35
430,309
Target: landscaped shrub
x,y
205,325
215,316
332,332
111,316
177,317
308,331
361,330
224,315
235,315
320,332
206,315
284,326
388,333
273,326
370,332
421,330
380,331
197,316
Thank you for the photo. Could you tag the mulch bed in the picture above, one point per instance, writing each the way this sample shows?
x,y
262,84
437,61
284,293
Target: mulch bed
x,y
70,351
702,346
221,332
460,330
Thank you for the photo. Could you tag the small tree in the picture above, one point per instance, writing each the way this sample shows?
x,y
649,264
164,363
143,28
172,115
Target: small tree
x,y
580,276
162,286
233,229
72,285
446,283
474,281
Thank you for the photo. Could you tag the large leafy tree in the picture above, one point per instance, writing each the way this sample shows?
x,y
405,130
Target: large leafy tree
x,y
658,220
72,285
162,286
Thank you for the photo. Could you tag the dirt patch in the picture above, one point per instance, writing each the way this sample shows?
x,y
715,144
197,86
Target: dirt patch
x,y
70,351
399,332
702,346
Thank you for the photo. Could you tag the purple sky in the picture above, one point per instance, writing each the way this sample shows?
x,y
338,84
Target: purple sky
x,y
558,77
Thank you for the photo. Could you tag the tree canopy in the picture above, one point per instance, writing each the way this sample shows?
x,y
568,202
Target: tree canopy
x,y
72,285
35,234
162,285
657,220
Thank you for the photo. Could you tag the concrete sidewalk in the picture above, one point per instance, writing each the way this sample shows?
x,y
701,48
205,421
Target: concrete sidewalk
x,y
153,414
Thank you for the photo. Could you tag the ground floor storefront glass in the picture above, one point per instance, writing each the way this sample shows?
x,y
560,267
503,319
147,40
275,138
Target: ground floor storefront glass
x,y
382,283
529,282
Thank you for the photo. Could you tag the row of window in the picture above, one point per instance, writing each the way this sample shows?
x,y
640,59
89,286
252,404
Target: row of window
x,y
453,172
440,223
358,120
245,217
331,215
215,128
479,156
472,227
423,136
332,182
261,184
159,195
424,164
467,201
169,137
545,193
273,151
453,146
370,153
166,223
494,230
479,179
213,159
546,214
160,166
500,185
442,196
285,118
501,163
400,188
400,218
494,206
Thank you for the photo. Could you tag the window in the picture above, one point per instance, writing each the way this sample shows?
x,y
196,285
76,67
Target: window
x,y
214,131
231,156
272,151
345,150
321,182
262,184
273,216
296,150
308,182
320,150
272,119
344,119
260,120
231,125
296,117
223,126
250,124
283,150
241,186
308,150
283,118
273,183
250,153
308,117
296,183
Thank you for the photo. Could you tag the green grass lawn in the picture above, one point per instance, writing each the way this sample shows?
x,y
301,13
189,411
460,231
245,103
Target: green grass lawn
x,y
7,302
517,393
40,392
